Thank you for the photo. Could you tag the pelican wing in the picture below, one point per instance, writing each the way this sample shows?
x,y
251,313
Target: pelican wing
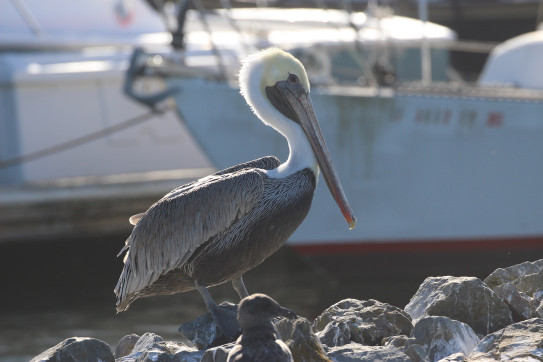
x,y
174,227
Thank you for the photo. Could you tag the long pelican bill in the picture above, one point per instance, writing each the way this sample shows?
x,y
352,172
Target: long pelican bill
x,y
300,109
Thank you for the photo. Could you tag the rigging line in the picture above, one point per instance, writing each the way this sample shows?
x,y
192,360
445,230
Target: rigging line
x,y
80,140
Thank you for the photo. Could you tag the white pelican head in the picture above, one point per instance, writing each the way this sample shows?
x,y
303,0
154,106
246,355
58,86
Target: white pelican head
x,y
276,87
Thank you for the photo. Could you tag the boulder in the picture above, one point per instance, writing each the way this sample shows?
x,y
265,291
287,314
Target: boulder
x,y
76,349
465,299
530,284
125,345
151,347
368,322
522,341
457,357
203,331
441,337
218,354
520,304
357,352
300,339
505,275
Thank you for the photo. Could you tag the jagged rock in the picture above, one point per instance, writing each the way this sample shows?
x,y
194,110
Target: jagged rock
x,y
417,353
125,345
401,341
465,299
522,341
518,303
442,337
76,349
357,352
300,339
335,334
203,331
369,321
457,357
218,354
530,284
151,347
505,275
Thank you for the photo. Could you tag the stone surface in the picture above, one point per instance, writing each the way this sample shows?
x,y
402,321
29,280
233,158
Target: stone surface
x,y
76,349
151,347
417,353
298,335
519,304
457,357
335,334
356,352
218,354
505,275
125,345
522,341
466,299
441,337
530,284
203,331
369,321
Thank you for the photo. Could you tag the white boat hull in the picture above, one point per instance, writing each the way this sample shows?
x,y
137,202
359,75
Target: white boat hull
x,y
415,168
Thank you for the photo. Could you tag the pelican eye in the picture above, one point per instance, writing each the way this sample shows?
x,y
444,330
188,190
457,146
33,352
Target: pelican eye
x,y
293,78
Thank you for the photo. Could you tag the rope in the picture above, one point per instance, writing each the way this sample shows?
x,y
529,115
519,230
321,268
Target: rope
x,y
131,122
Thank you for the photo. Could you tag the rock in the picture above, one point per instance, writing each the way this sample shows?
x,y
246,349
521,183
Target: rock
x,y
417,353
401,342
125,345
530,284
442,337
518,303
203,331
335,334
76,349
369,322
505,275
151,347
519,341
218,354
465,299
300,339
457,357
357,352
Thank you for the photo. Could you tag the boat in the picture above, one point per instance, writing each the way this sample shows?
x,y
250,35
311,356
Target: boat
x,y
428,162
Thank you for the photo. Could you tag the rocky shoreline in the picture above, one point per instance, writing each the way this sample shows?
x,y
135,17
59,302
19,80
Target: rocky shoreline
x,y
448,319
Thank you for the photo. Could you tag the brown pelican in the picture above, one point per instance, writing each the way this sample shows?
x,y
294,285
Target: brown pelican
x,y
260,340
215,229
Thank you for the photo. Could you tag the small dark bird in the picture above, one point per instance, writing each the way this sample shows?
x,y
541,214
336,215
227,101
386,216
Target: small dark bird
x,y
259,340
213,230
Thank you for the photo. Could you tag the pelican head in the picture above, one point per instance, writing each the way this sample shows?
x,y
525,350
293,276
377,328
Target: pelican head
x,y
276,87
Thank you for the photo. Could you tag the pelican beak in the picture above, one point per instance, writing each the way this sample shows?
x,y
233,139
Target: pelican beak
x,y
293,101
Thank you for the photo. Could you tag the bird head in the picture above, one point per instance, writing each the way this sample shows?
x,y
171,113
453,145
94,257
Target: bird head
x,y
276,87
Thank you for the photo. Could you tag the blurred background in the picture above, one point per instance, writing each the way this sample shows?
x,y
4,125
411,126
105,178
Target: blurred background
x,y
431,111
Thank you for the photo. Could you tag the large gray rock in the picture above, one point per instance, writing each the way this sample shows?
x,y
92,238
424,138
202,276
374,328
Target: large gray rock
x,y
520,304
522,341
442,337
356,352
125,345
505,275
367,321
530,284
203,331
151,347
218,354
76,349
466,299
300,339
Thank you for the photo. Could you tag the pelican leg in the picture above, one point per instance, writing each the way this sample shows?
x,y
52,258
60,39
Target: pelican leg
x,y
240,287
226,320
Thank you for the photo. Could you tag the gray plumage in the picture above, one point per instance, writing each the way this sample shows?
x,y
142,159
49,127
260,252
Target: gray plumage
x,y
212,230
260,340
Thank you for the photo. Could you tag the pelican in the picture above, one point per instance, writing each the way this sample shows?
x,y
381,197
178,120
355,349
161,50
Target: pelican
x,y
213,230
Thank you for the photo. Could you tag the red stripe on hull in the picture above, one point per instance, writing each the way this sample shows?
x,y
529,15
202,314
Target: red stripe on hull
x,y
436,245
